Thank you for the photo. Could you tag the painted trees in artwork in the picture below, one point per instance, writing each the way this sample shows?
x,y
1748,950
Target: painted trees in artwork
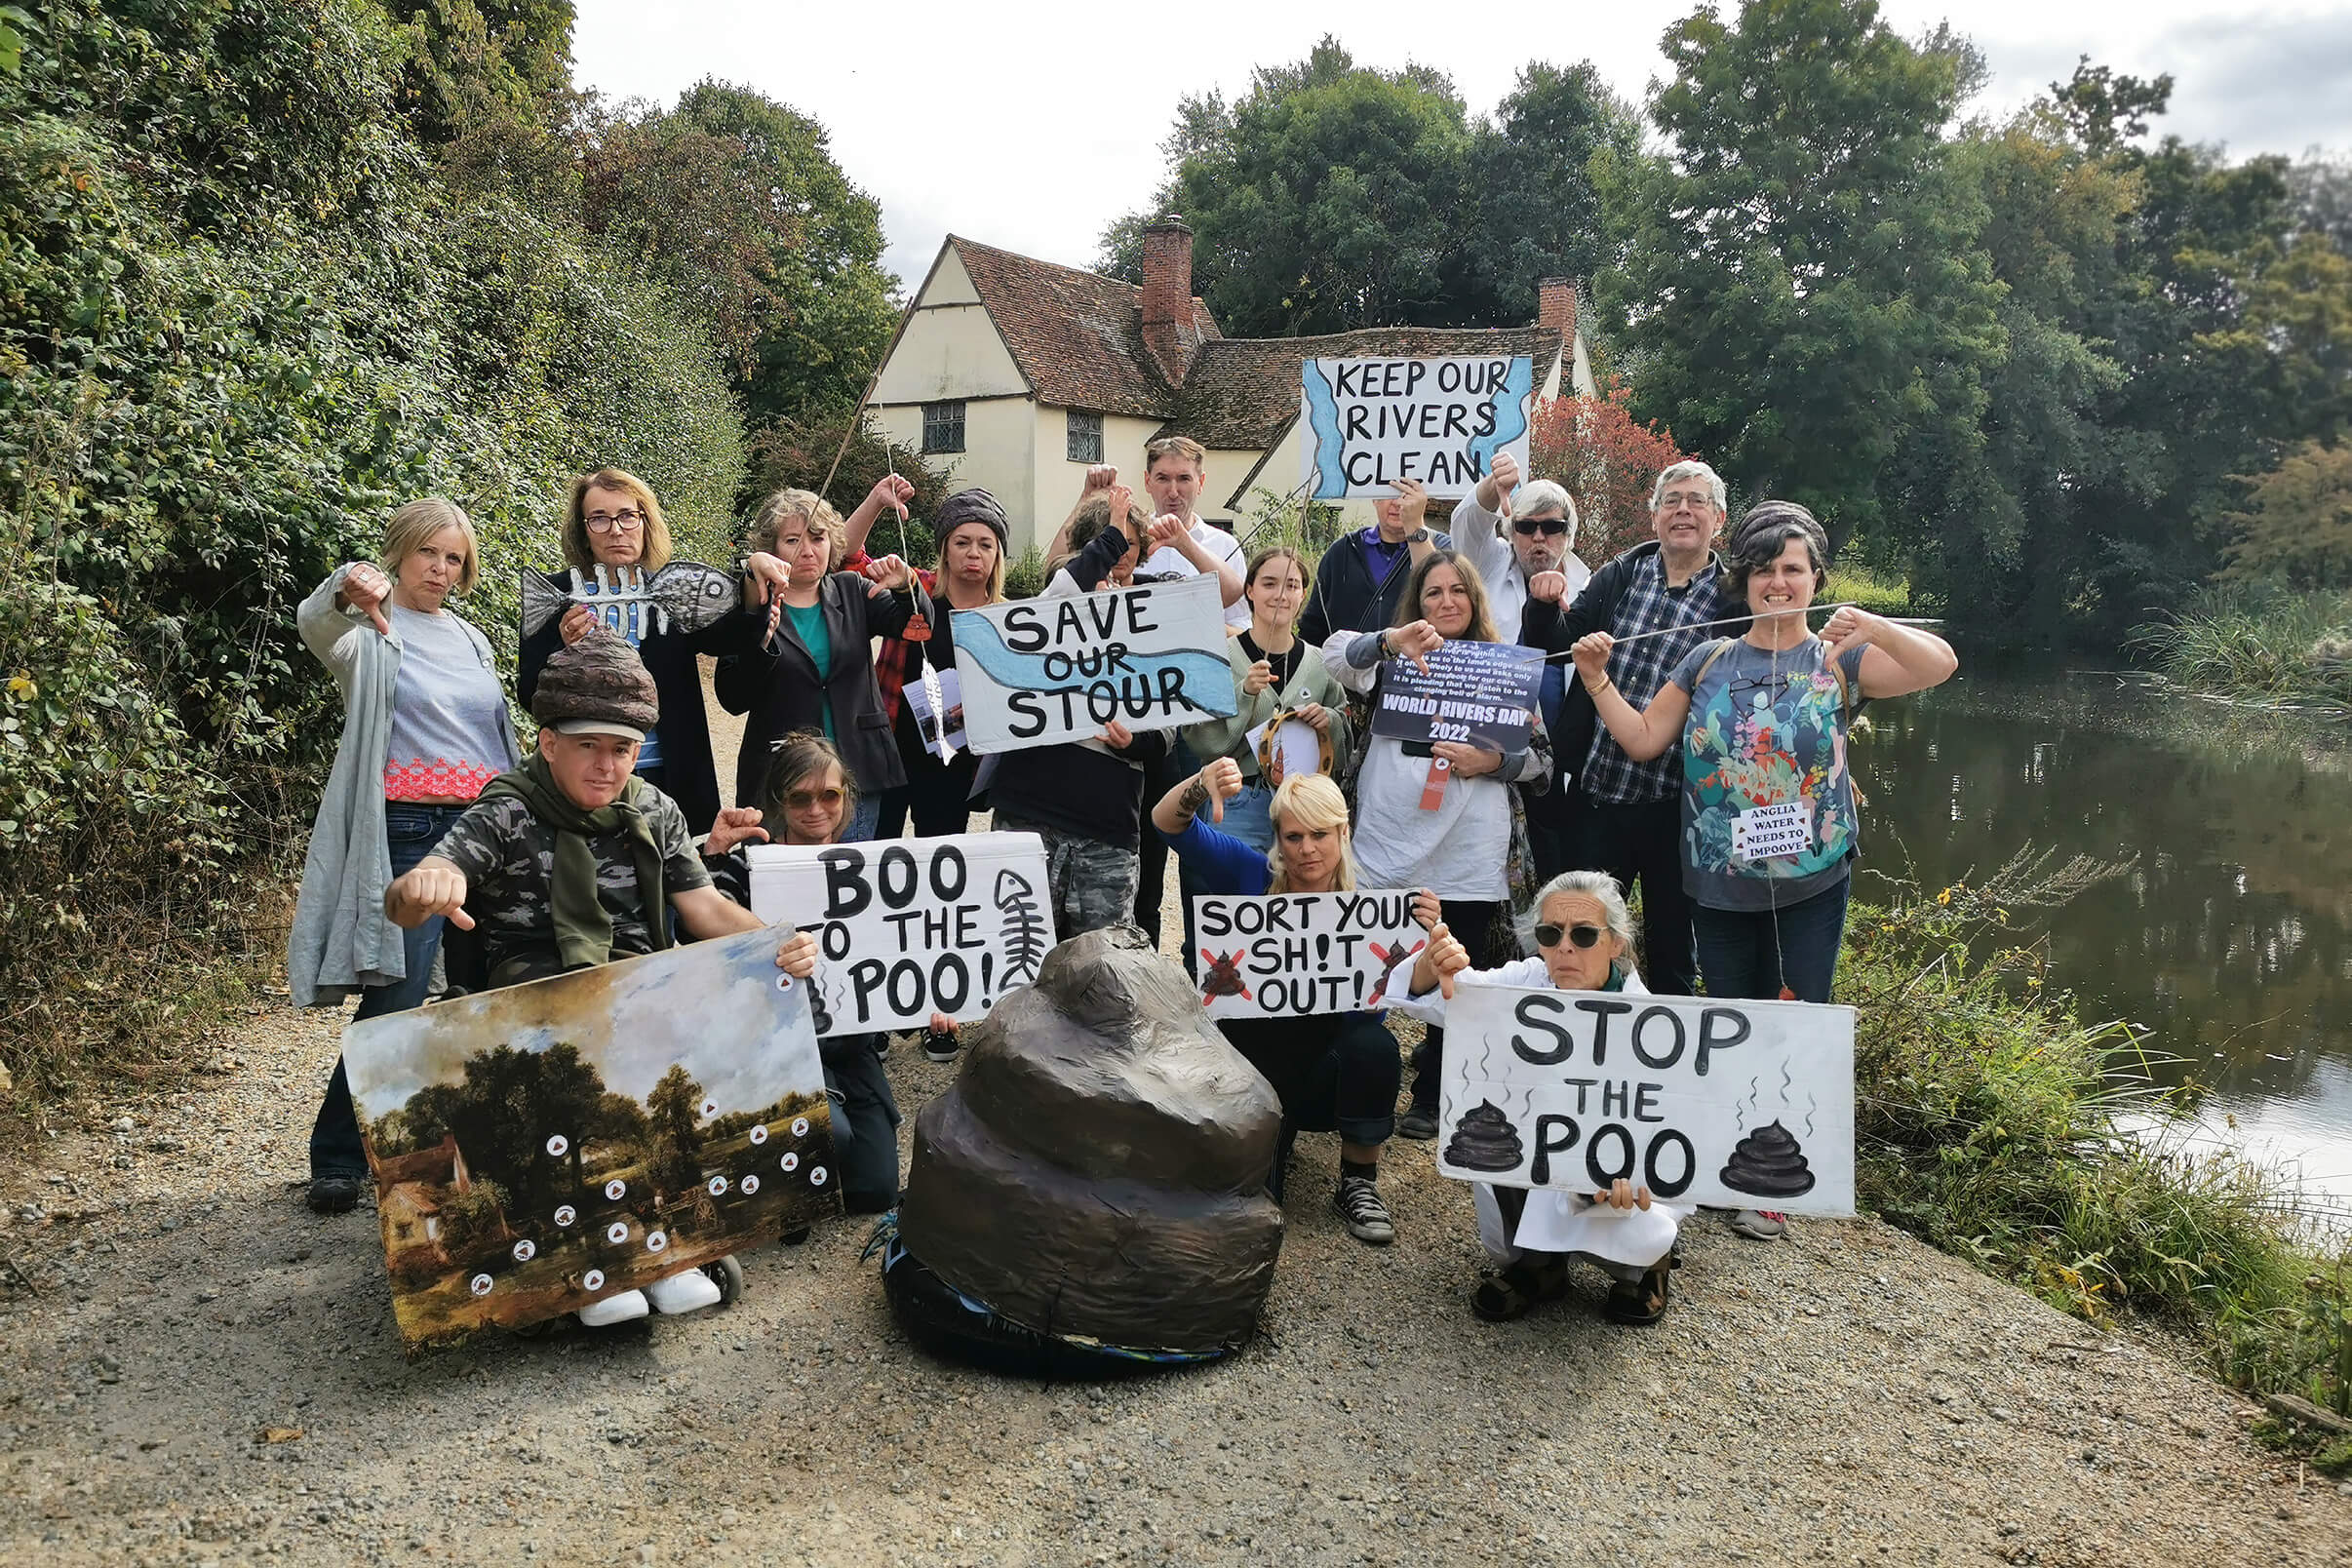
x,y
673,1131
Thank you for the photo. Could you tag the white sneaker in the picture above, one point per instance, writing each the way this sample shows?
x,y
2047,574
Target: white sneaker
x,y
686,1292
618,1308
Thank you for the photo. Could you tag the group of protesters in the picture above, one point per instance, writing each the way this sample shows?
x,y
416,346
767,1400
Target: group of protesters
x,y
444,860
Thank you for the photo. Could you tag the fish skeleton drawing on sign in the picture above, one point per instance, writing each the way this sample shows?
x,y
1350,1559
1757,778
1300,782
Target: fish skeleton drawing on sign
x,y
684,596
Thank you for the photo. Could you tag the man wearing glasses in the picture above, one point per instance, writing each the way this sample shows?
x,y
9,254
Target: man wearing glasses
x,y
1622,816
1511,538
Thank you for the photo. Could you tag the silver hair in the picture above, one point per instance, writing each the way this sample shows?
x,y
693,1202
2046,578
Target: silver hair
x,y
1690,468
1597,886
1545,496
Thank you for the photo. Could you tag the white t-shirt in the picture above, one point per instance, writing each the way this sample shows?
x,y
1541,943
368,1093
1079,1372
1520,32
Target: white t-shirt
x,y
1168,562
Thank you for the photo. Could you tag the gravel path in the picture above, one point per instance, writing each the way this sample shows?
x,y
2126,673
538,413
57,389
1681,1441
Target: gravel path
x,y
201,1371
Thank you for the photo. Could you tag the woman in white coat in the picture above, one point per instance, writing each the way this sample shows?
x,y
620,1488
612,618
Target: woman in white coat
x,y
1579,929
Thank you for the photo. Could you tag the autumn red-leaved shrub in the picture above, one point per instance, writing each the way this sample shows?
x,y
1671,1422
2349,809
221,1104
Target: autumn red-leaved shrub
x,y
1608,462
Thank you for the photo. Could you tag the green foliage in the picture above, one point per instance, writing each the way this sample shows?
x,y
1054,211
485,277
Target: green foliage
x,y
1312,526
2296,528
794,457
1858,585
1994,1125
1025,575
488,87
674,1132
2269,646
473,1222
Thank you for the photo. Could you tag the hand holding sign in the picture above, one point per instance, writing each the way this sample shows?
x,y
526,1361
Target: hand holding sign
x,y
798,957
1426,911
1467,761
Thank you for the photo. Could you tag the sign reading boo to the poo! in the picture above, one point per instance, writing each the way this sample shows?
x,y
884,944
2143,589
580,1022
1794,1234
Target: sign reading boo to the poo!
x,y
539,1147
911,927
1371,422
1037,672
1745,1104
1290,955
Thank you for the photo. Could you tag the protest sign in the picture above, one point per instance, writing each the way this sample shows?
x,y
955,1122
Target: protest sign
x,y
1370,422
1744,1104
912,926
941,727
540,1147
1037,672
1291,955
1480,693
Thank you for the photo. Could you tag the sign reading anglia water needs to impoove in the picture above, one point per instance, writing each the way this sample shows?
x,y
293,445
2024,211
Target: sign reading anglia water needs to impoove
x,y
1744,1104
1367,424
1038,672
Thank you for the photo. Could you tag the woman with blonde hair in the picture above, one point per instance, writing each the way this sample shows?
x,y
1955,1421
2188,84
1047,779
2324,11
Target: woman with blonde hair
x,y
1334,1072
1448,830
426,727
816,668
612,523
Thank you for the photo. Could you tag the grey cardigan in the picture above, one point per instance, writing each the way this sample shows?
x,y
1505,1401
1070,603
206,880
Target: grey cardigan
x,y
341,940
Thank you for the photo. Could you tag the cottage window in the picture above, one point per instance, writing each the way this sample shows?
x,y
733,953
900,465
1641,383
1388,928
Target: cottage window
x,y
1085,436
943,426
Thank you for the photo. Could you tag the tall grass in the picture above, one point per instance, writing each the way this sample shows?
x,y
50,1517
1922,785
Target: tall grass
x,y
1995,1125
2265,646
1859,585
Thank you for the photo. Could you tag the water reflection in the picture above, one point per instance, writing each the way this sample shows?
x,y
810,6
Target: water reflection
x,y
2231,939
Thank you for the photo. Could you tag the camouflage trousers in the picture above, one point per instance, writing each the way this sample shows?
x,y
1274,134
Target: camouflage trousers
x,y
1092,882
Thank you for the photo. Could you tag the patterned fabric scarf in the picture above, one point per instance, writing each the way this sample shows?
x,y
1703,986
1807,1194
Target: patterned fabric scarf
x,y
584,926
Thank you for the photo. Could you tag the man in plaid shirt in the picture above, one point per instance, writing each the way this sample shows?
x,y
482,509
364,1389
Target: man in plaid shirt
x,y
1625,817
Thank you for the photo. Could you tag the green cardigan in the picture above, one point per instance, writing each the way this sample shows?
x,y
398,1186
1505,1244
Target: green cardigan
x,y
1230,738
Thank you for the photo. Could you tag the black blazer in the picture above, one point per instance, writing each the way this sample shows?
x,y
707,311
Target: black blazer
x,y
775,685
688,774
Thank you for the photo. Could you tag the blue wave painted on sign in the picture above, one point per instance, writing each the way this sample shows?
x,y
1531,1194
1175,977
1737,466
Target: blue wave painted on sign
x,y
1208,679
1322,418
1510,413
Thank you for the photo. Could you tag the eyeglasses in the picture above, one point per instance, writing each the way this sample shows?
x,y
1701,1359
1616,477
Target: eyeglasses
x,y
1693,498
612,521
1527,527
802,800
1584,936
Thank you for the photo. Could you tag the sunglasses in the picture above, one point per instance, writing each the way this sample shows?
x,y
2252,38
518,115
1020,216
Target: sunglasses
x,y
1584,936
1528,528
802,800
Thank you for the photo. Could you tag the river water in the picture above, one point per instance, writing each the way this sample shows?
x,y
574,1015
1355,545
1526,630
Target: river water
x,y
2230,939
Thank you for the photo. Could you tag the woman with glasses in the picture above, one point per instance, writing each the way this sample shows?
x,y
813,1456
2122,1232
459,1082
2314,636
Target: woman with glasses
x,y
425,728
1579,929
814,670
1768,813
612,520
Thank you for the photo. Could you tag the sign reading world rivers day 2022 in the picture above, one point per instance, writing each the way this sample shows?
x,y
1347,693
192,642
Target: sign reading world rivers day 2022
x,y
1369,423
1482,694
1037,672
911,927
1745,1104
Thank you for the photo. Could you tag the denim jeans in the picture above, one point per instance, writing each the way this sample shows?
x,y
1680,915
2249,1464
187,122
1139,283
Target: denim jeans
x,y
411,831
1751,954
864,821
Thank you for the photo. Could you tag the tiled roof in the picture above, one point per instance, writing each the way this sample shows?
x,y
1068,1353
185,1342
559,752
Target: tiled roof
x,y
1240,392
1078,336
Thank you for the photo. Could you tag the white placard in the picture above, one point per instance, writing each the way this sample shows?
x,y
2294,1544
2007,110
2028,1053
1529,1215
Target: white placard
x,y
1745,1104
1292,955
1773,831
942,740
1301,750
912,925
1370,422
1039,672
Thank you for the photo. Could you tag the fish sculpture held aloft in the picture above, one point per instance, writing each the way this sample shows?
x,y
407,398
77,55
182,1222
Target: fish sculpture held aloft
x,y
684,596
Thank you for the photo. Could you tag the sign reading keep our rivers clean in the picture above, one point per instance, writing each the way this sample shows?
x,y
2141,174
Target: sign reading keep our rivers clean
x,y
1744,1104
1368,423
1038,672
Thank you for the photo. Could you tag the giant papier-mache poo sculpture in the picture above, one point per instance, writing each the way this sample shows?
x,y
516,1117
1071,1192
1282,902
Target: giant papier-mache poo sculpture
x,y
1090,1193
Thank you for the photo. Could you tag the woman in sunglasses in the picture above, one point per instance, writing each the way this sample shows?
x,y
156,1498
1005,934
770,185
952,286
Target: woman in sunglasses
x,y
1579,929
811,798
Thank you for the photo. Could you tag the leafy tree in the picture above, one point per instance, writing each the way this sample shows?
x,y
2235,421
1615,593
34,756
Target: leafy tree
x,y
2296,527
2320,187
488,86
674,1127
1532,210
2104,110
1609,462
797,457
735,200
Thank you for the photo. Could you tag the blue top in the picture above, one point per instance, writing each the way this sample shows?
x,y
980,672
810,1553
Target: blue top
x,y
809,624
1219,862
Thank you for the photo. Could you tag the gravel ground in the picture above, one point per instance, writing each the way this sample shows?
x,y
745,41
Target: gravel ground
x,y
194,1368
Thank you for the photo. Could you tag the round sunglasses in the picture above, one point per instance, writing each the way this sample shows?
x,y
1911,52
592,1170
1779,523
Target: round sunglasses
x,y
1584,936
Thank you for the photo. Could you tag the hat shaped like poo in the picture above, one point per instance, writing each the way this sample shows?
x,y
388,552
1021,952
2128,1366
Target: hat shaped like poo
x,y
597,686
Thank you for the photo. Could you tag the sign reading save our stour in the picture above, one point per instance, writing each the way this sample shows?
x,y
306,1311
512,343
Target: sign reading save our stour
x,y
1746,1103
1038,672
1370,422
1480,694
1291,955
913,926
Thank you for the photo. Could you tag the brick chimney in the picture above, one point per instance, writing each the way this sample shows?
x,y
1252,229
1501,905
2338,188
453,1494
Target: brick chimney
x,y
1168,295
1556,307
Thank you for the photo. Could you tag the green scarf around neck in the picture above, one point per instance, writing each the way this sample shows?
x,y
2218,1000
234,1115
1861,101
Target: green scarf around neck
x,y
583,928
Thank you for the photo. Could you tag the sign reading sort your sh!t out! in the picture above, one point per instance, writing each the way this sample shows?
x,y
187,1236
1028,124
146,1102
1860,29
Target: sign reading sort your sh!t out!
x,y
1368,423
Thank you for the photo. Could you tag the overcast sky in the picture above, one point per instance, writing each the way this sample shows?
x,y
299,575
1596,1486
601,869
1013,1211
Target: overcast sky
x,y
1033,126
